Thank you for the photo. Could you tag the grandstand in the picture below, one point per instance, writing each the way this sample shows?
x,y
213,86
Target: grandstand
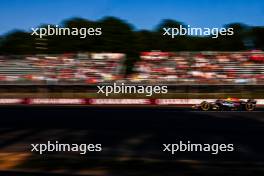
x,y
197,68
61,69
154,67
17,68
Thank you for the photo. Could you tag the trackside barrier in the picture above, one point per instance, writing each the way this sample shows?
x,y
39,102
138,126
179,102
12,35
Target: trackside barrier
x,y
181,101
120,101
11,101
91,101
56,101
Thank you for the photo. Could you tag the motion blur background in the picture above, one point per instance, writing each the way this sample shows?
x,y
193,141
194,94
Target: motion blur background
x,y
133,50
130,29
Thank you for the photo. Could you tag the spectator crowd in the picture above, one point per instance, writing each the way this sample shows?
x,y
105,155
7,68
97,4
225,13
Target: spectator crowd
x,y
153,67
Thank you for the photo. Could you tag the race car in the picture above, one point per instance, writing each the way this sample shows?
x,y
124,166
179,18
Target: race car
x,y
227,104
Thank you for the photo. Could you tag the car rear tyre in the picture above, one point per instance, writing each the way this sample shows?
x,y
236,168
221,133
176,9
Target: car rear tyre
x,y
205,106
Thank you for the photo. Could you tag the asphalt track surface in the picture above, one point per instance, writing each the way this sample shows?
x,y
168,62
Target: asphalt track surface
x,y
132,140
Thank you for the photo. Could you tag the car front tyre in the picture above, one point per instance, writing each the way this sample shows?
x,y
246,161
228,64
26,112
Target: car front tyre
x,y
249,106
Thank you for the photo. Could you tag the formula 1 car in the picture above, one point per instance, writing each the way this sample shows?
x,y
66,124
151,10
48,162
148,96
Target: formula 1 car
x,y
227,104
